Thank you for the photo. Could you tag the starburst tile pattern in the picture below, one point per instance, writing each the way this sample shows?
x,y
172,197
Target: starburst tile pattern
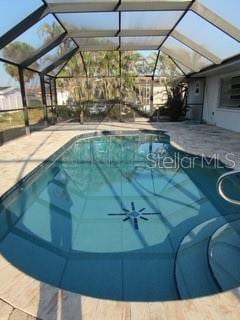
x,y
134,215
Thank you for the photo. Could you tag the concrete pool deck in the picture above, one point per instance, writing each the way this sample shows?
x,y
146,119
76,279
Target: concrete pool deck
x,y
22,297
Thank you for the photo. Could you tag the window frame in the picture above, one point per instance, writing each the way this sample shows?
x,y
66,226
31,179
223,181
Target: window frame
x,y
221,105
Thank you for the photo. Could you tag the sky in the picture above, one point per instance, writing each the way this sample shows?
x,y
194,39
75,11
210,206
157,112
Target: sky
x,y
13,11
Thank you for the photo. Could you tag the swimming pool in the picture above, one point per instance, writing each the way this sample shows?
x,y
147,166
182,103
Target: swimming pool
x,y
102,217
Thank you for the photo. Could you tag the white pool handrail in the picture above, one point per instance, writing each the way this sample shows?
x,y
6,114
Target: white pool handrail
x,y
220,189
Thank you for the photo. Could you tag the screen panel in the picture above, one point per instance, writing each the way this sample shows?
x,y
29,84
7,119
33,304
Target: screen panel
x,y
55,71
107,63
110,5
10,93
99,43
184,54
166,68
183,68
141,43
90,23
146,22
154,5
9,18
53,55
138,63
81,5
32,88
74,68
208,36
27,44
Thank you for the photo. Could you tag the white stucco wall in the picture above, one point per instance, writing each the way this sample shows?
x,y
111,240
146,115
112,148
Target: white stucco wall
x,y
195,99
222,117
10,99
62,96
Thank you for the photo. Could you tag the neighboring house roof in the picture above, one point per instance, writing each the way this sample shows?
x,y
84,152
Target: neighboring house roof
x,y
8,90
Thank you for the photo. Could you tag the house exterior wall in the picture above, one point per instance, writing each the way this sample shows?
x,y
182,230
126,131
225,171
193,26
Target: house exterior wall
x,y
10,99
62,96
228,118
159,95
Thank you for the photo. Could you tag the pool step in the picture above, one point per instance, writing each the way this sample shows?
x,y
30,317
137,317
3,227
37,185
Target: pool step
x,y
224,255
193,274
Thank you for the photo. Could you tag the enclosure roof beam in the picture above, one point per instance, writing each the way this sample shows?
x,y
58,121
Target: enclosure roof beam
x,y
195,47
216,20
90,77
42,51
84,64
119,25
60,61
115,33
59,21
22,26
156,63
120,63
64,65
105,6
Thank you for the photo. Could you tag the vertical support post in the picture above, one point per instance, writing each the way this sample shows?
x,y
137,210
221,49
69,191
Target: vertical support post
x,y
151,96
203,98
52,100
24,100
55,97
1,137
55,91
83,106
50,88
44,99
120,57
134,115
120,86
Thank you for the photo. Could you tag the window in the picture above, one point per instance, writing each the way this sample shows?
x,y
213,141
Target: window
x,y
197,89
230,92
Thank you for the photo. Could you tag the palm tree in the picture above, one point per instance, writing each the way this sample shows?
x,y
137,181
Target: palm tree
x,y
50,31
102,67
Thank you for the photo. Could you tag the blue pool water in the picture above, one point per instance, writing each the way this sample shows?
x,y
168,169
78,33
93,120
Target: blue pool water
x,y
100,219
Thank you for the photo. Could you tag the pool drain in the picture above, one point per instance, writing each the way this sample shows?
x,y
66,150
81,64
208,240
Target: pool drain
x,y
134,215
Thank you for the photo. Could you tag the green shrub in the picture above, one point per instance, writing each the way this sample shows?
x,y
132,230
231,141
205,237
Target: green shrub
x,y
175,104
